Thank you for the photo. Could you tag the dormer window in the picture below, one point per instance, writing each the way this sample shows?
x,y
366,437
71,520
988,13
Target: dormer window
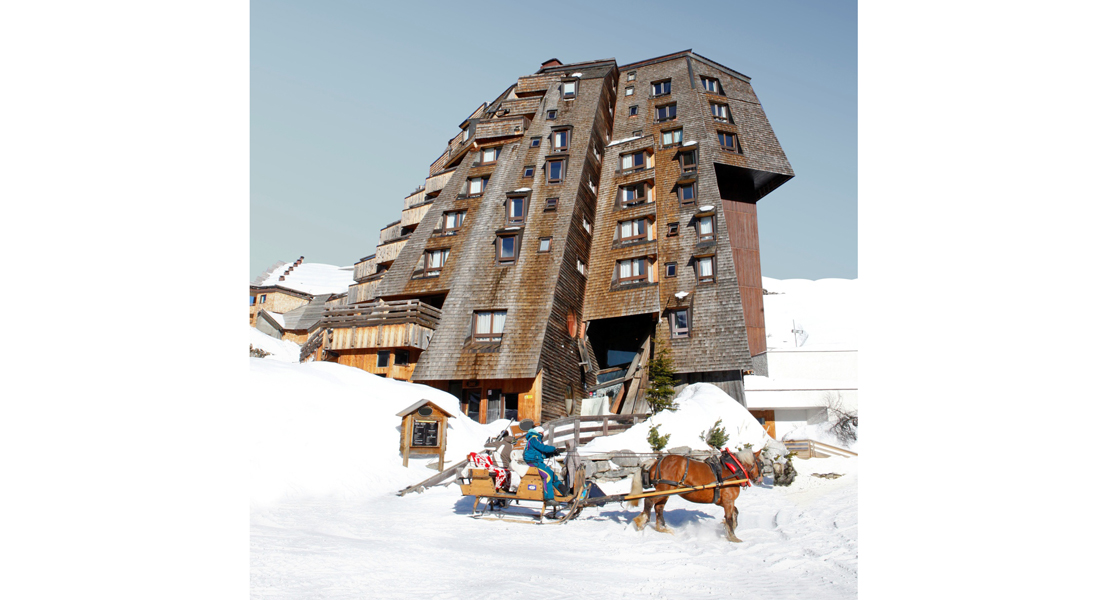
x,y
489,155
434,261
686,191
633,270
631,75
465,133
569,89
634,230
720,112
706,228
489,325
529,171
507,249
637,193
666,113
661,88
475,186
687,161
517,210
711,85
560,140
633,112
536,142
629,90
705,268
551,114
729,141
452,221
555,171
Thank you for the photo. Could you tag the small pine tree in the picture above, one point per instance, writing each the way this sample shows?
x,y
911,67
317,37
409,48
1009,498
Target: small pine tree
x,y
656,440
661,378
715,437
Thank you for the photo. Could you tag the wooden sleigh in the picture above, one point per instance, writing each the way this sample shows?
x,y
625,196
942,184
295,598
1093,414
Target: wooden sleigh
x,y
505,506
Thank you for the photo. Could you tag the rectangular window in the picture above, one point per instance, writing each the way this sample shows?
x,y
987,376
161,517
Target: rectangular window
x,y
687,193
633,194
661,88
465,133
252,301
569,89
551,204
383,359
581,267
671,138
555,171
711,85
400,357
633,270
476,185
560,140
633,111
729,141
489,155
666,112
506,249
687,161
535,142
631,75
263,298
706,268
635,161
670,269
489,325
678,323
634,229
706,228
453,220
517,210
544,244
551,115
629,90
673,229
434,261
529,171
637,133
720,112
587,226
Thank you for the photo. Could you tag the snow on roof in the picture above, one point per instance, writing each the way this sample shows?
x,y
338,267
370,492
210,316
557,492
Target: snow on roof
x,y
313,279
634,137
278,318
824,314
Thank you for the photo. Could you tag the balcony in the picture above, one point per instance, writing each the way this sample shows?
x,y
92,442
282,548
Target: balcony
x,y
401,324
412,216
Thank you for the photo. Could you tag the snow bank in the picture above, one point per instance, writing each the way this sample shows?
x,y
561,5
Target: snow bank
x,y
825,310
321,429
820,432
281,350
701,404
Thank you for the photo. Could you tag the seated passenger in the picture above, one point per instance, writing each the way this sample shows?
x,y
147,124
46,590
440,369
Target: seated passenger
x,y
535,455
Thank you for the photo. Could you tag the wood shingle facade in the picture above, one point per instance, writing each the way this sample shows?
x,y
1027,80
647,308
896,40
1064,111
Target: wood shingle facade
x,y
539,249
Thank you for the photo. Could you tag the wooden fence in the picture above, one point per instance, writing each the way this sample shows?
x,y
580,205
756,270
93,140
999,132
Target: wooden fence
x,y
571,432
379,313
816,449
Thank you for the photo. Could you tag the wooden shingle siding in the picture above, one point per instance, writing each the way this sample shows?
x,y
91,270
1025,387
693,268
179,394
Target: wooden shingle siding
x,y
498,128
536,84
362,292
365,268
436,182
413,216
522,106
415,198
390,250
390,233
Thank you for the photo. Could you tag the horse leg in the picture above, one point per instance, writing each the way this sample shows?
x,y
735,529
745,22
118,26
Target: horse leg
x,y
731,521
659,509
642,519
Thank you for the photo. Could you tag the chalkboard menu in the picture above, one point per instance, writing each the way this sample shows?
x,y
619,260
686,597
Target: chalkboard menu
x,y
425,433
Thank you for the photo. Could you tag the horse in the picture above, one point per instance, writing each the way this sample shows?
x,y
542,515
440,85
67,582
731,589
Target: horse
x,y
745,465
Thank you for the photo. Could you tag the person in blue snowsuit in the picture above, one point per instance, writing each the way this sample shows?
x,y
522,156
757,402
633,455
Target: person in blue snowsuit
x,y
535,455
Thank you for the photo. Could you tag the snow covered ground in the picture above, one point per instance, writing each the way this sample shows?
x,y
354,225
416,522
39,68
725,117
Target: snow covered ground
x,y
326,523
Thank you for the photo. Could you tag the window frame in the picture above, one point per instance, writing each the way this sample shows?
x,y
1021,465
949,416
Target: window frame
x,y
263,298
629,90
680,193
644,197
670,112
634,168
501,259
631,75
632,111
551,204
379,363
699,260
460,216
725,108
634,225
549,245
554,133
717,85
736,148
527,168
489,336
536,142
678,332
670,269
677,132
564,162
508,205
664,82
484,183
694,166
569,95
582,268
401,357
699,227
673,229
496,155
444,253
643,276
551,114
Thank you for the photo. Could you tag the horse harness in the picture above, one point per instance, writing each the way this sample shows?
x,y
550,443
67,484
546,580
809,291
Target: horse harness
x,y
724,458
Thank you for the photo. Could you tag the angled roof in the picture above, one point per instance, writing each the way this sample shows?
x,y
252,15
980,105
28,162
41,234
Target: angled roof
x,y
422,403
310,278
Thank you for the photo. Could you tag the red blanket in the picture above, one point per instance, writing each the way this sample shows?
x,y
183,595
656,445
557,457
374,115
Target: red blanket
x,y
484,461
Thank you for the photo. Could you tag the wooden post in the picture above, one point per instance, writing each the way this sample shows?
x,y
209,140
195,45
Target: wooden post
x,y
442,443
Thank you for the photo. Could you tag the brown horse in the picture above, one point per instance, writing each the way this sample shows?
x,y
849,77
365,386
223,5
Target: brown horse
x,y
672,471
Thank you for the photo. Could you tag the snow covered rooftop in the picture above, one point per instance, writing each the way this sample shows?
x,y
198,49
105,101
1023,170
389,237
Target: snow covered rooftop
x,y
313,278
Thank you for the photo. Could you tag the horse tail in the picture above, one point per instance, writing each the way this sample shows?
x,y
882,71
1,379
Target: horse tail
x,y
636,487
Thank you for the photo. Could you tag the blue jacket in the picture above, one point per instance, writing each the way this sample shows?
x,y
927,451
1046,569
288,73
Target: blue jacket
x,y
536,450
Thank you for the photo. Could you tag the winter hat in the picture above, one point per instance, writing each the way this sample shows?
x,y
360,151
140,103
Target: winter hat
x,y
538,429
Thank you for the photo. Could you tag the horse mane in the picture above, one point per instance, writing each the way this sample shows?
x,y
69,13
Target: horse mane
x,y
746,457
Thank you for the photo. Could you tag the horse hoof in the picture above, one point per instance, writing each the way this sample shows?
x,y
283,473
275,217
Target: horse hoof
x,y
665,530
733,538
639,523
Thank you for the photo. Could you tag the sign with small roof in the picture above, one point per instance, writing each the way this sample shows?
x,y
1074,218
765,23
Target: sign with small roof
x,y
424,430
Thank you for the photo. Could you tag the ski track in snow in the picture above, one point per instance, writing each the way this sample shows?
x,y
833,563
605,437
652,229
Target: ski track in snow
x,y
799,542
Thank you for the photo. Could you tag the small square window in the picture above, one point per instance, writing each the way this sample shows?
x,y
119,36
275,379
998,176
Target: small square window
x,y
489,155
673,229
383,359
544,244
400,357
475,186
637,133
678,323
535,142
687,193
630,90
529,171
631,75
670,269
551,114
452,221
633,111
662,88
551,204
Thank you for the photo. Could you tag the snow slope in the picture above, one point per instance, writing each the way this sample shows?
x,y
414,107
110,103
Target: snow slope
x,y
281,350
826,310
326,523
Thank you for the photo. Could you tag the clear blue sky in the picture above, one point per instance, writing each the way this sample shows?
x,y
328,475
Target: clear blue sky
x,y
350,103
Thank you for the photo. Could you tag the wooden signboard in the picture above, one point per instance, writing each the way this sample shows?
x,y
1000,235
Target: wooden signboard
x,y
424,430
